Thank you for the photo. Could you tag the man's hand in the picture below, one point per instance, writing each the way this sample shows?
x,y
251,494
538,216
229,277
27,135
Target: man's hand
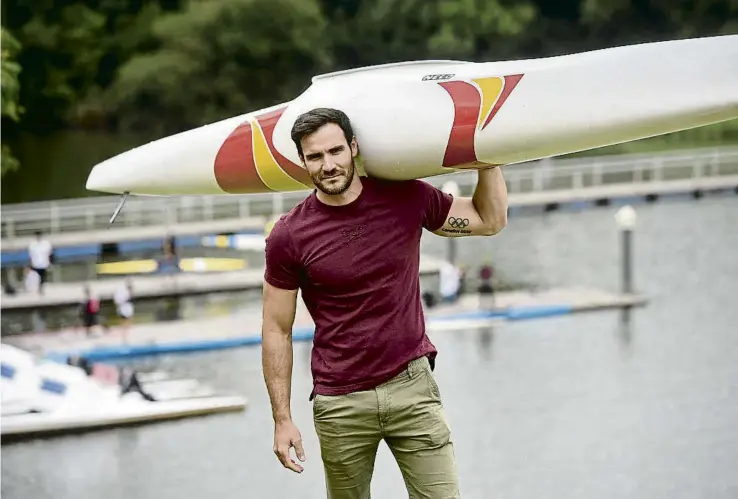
x,y
286,435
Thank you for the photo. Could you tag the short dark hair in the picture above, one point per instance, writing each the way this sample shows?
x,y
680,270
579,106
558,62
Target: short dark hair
x,y
310,122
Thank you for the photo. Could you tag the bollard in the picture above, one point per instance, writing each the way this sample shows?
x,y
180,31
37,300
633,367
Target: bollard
x,y
626,220
452,188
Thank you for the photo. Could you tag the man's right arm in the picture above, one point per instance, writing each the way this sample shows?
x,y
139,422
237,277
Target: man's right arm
x,y
277,322
276,354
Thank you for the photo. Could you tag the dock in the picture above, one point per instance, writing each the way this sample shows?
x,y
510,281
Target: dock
x,y
243,328
158,286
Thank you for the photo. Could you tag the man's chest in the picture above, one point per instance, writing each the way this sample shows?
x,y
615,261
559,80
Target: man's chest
x,y
353,252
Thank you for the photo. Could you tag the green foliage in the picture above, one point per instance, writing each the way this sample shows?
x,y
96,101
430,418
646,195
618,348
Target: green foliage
x,y
162,66
218,58
11,108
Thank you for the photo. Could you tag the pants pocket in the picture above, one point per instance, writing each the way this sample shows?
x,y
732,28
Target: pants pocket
x,y
434,391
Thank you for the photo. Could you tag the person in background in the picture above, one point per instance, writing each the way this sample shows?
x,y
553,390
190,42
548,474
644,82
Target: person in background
x,y
450,278
486,288
89,312
124,306
169,263
129,382
40,254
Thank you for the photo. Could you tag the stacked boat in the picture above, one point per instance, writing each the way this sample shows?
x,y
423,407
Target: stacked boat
x,y
41,397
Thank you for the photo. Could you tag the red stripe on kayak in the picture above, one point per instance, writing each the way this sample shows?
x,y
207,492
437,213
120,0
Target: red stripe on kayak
x,y
234,167
467,105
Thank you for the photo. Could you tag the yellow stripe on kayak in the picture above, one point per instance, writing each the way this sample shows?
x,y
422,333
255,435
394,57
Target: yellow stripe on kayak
x,y
270,172
491,89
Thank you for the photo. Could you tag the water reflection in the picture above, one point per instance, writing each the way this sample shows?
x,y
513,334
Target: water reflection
x,y
147,311
625,329
485,336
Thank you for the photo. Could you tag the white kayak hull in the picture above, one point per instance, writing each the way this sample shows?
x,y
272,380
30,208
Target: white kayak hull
x,y
130,413
425,118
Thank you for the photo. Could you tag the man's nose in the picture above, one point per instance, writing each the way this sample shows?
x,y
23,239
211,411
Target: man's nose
x,y
329,165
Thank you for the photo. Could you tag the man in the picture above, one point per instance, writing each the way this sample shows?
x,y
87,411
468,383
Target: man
x,y
124,306
486,289
40,253
352,247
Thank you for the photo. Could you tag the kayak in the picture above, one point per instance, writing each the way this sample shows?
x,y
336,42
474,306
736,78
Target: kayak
x,y
418,119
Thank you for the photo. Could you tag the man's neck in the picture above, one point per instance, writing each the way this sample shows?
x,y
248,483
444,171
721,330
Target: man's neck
x,y
348,196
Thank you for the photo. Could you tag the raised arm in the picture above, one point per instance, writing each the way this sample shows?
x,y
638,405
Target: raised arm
x,y
276,356
483,214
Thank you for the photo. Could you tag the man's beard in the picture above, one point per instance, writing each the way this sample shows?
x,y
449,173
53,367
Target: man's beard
x,y
335,189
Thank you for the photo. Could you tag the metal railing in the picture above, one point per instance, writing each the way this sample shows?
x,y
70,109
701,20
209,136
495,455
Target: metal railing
x,y
550,174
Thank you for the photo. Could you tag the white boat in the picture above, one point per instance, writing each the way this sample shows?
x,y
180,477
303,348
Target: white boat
x,y
41,397
418,119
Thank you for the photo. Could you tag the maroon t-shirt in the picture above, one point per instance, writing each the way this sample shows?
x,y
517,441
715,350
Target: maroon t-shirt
x,y
357,268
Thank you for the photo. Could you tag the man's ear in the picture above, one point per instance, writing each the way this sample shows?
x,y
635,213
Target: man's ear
x,y
354,147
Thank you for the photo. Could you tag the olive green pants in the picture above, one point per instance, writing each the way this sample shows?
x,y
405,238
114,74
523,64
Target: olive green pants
x,y
408,414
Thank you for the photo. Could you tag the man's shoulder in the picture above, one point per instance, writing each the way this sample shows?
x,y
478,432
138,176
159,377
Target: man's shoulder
x,y
300,214
296,218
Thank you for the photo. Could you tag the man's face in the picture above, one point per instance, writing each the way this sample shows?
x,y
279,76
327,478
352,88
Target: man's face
x,y
329,159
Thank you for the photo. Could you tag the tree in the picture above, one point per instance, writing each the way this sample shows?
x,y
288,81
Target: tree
x,y
219,58
11,109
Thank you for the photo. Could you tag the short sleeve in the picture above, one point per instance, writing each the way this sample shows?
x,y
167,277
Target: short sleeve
x,y
282,265
435,205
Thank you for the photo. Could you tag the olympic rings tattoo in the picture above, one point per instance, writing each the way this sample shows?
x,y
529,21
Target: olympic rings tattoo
x,y
458,223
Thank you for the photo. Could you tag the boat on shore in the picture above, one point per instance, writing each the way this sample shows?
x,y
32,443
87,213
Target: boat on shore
x,y
43,397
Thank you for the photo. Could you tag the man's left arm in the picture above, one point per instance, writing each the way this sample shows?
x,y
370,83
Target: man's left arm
x,y
483,214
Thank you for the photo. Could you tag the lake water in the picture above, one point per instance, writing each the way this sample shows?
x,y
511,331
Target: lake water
x,y
584,406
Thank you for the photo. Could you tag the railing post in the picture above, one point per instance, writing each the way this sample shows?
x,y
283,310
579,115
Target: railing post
x,y
597,174
516,183
208,206
243,207
169,215
277,203
638,172
10,228
657,166
576,180
537,180
54,218
90,219
697,168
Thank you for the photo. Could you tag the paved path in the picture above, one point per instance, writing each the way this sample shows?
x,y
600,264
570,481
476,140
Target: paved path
x,y
243,328
616,191
155,286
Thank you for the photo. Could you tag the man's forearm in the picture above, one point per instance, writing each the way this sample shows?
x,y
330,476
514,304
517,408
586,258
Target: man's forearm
x,y
490,198
276,359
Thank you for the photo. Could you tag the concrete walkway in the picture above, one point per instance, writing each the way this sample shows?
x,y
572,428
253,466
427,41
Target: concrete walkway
x,y
120,233
243,328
